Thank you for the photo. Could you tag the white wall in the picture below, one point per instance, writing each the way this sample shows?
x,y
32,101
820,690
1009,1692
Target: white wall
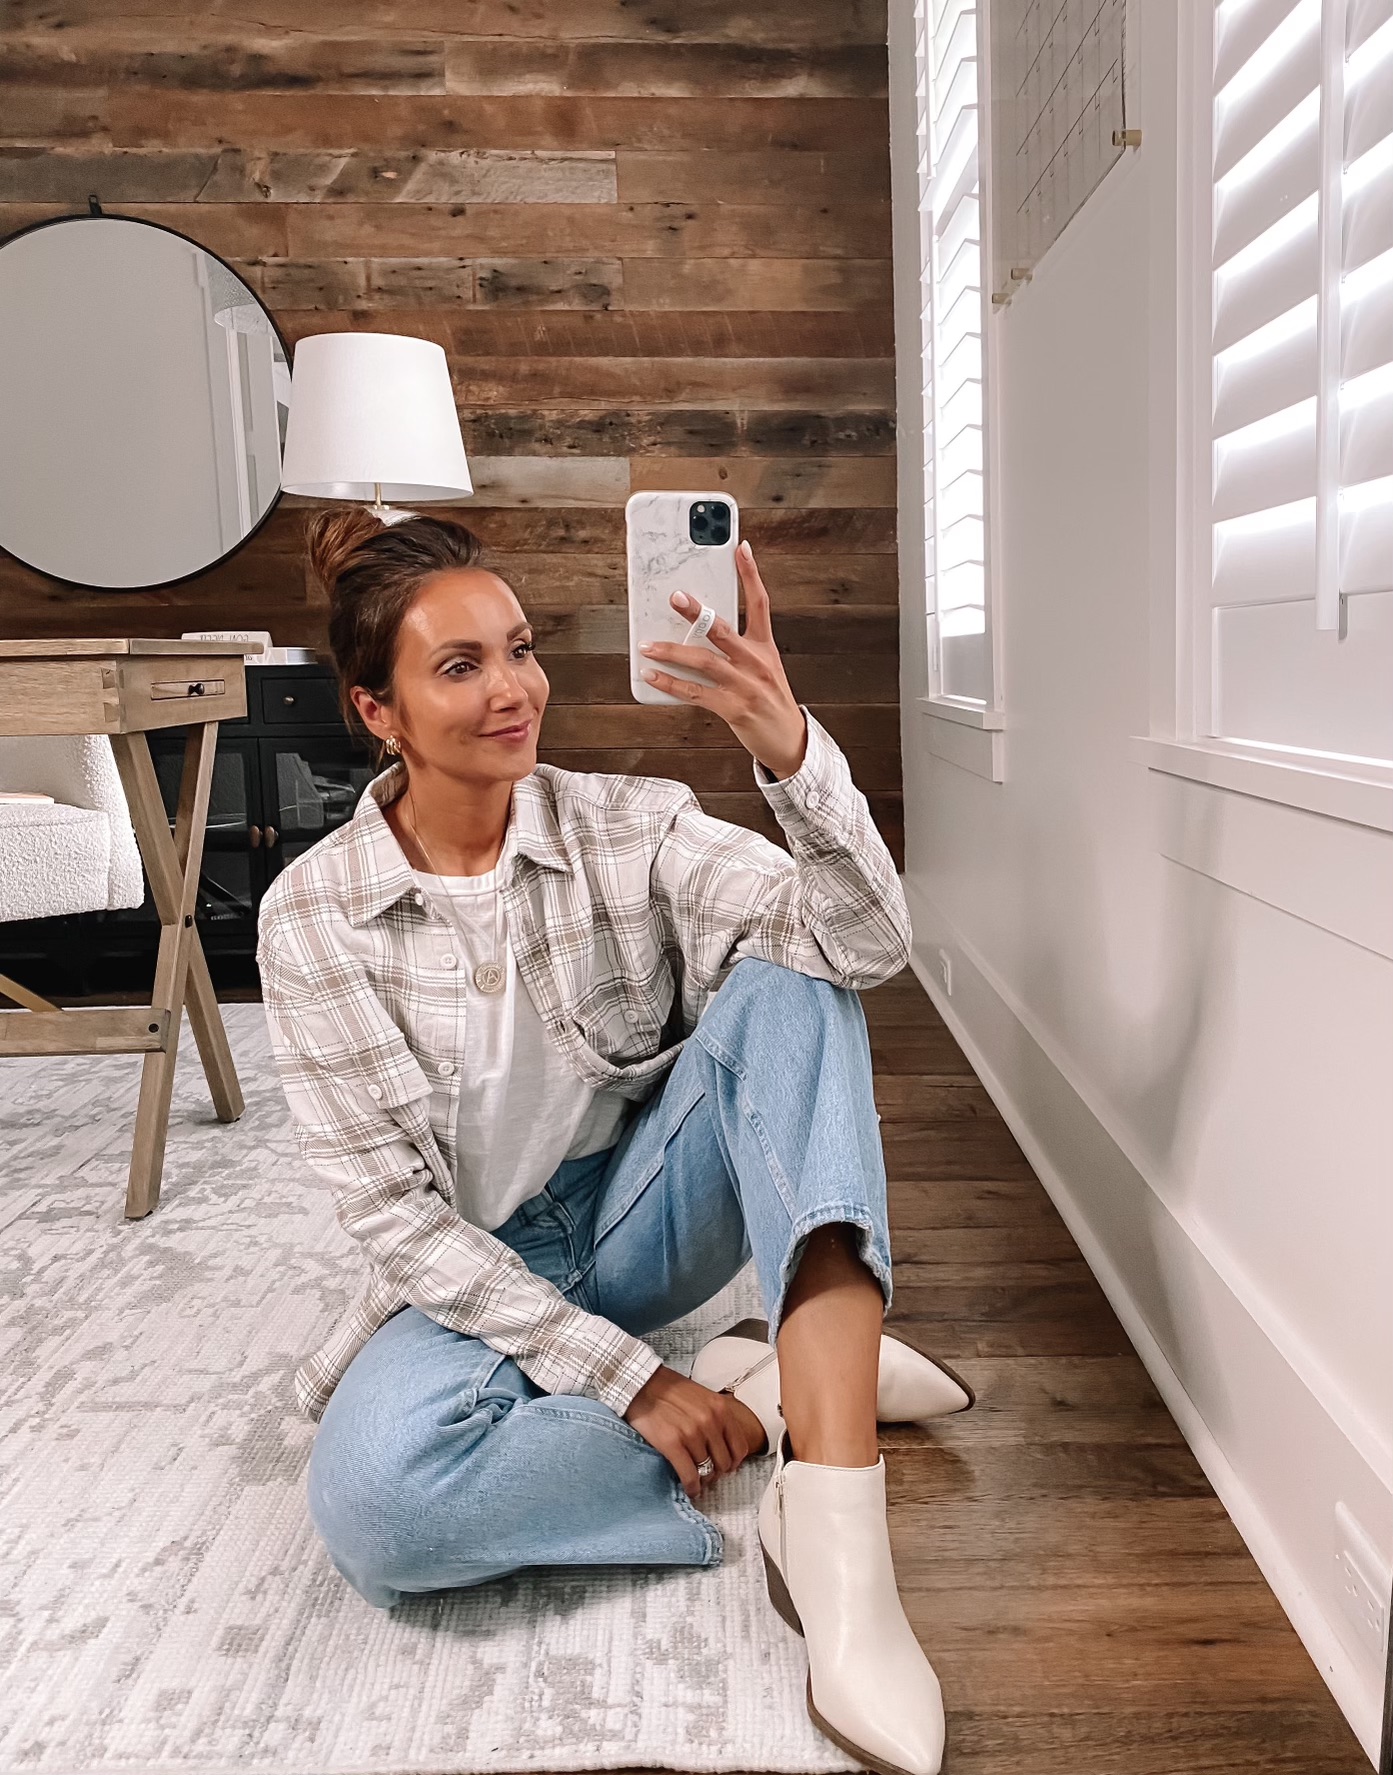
x,y
1203,1079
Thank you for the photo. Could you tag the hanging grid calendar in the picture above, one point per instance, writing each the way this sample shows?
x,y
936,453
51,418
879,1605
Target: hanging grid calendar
x,y
1059,104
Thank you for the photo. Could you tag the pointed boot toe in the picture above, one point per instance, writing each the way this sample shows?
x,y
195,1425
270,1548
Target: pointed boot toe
x,y
913,1388
910,1388
831,1576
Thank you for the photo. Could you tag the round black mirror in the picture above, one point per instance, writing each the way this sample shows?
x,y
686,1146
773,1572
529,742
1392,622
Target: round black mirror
x,y
145,390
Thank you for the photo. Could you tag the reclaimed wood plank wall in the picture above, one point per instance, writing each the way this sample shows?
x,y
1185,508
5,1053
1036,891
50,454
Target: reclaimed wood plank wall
x,y
654,241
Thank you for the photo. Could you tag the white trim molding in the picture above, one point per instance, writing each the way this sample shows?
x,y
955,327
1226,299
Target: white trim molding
x,y
970,737
1357,790
1334,874
1163,1268
947,708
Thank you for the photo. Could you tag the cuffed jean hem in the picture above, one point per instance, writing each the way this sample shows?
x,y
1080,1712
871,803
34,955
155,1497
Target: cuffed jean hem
x,y
708,1549
872,1247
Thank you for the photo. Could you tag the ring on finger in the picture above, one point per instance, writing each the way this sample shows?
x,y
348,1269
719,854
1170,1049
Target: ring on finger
x,y
706,1468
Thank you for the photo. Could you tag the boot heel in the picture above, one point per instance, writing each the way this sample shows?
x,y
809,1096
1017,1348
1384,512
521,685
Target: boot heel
x,y
778,1593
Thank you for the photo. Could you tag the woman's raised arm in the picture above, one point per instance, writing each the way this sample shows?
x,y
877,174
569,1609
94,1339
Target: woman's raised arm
x,y
832,905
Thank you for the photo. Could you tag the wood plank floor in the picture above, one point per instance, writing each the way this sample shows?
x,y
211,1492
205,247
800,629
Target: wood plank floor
x,y
1087,1603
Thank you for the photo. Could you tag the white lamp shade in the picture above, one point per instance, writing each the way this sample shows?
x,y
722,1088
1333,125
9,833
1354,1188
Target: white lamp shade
x,y
371,410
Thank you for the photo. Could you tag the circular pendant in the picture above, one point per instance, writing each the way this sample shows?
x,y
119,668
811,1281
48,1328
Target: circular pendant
x,y
488,976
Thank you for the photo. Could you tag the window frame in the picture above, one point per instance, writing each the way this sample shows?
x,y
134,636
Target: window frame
x,y
1359,791
985,714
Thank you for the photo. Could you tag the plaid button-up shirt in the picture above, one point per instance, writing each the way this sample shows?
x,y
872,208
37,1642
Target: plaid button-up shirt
x,y
627,906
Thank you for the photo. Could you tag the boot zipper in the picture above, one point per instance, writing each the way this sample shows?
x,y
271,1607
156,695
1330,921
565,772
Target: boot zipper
x,y
783,1533
740,1379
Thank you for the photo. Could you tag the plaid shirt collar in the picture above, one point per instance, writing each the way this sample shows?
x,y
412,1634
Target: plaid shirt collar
x,y
378,874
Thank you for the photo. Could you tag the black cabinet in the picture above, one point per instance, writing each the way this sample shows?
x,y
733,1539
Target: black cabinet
x,y
282,778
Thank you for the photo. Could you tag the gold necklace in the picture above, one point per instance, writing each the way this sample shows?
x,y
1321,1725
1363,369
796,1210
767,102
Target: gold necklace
x,y
489,976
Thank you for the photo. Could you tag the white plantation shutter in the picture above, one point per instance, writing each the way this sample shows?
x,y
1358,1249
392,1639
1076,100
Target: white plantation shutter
x,y
1296,641
946,87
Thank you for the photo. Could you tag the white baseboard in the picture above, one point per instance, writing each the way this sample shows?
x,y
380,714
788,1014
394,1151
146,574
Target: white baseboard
x,y
1241,1418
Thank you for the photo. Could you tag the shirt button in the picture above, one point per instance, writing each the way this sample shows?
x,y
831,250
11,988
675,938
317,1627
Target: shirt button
x,y
375,1092
448,961
446,1068
419,898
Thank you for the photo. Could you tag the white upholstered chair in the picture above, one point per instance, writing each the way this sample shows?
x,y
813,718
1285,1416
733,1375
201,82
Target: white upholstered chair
x,y
80,853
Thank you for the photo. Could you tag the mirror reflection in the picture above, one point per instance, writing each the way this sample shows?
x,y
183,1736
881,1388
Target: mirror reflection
x,y
144,390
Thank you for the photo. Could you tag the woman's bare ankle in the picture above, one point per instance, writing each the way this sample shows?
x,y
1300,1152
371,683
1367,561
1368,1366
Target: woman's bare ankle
x,y
835,1450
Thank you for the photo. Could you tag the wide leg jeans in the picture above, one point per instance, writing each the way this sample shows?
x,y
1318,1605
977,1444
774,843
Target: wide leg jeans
x,y
439,1464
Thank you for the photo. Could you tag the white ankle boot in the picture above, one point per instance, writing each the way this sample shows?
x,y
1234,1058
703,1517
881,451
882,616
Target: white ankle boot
x,y
830,1573
910,1388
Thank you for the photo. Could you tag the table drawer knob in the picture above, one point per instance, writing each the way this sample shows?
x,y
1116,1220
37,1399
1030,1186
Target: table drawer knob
x,y
186,687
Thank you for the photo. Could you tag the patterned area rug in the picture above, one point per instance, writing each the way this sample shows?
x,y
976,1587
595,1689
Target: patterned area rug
x,y
166,1605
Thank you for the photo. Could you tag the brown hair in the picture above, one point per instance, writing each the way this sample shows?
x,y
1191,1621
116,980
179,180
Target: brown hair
x,y
372,572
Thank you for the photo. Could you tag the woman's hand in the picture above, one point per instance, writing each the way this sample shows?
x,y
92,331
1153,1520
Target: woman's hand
x,y
689,1424
747,687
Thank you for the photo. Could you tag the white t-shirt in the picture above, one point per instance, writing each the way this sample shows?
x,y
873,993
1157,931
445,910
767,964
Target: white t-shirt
x,y
521,1108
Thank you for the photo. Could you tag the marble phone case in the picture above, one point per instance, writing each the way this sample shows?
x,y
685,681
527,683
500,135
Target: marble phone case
x,y
663,559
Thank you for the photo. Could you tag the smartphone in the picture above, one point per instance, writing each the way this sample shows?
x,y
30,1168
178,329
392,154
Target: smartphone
x,y
677,542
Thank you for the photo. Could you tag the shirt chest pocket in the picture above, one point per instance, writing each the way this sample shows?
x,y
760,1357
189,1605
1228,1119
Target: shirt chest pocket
x,y
623,1030
623,1006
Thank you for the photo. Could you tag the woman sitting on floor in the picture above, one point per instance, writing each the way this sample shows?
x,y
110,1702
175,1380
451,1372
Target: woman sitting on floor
x,y
571,1052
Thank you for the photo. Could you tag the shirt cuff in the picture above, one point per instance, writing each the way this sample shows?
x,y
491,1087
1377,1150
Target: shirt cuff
x,y
811,784
642,1361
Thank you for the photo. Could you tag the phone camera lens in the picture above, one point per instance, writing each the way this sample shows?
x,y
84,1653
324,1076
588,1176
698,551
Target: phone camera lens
x,y
709,523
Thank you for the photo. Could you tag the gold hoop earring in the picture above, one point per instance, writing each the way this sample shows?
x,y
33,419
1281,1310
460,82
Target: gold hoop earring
x,y
393,745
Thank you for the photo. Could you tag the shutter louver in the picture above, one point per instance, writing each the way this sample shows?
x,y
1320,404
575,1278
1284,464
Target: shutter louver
x,y
951,315
1366,393
1300,631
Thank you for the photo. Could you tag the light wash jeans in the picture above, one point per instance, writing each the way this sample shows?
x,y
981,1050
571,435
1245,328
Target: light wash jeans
x,y
439,1464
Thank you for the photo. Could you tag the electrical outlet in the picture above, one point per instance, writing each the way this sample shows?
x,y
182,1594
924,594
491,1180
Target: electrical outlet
x,y
1363,1580
945,971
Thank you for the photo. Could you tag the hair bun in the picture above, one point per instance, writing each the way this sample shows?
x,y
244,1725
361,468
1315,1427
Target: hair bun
x,y
334,537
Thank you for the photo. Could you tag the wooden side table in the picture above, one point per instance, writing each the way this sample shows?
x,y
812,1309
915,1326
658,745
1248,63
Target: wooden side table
x,y
123,688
